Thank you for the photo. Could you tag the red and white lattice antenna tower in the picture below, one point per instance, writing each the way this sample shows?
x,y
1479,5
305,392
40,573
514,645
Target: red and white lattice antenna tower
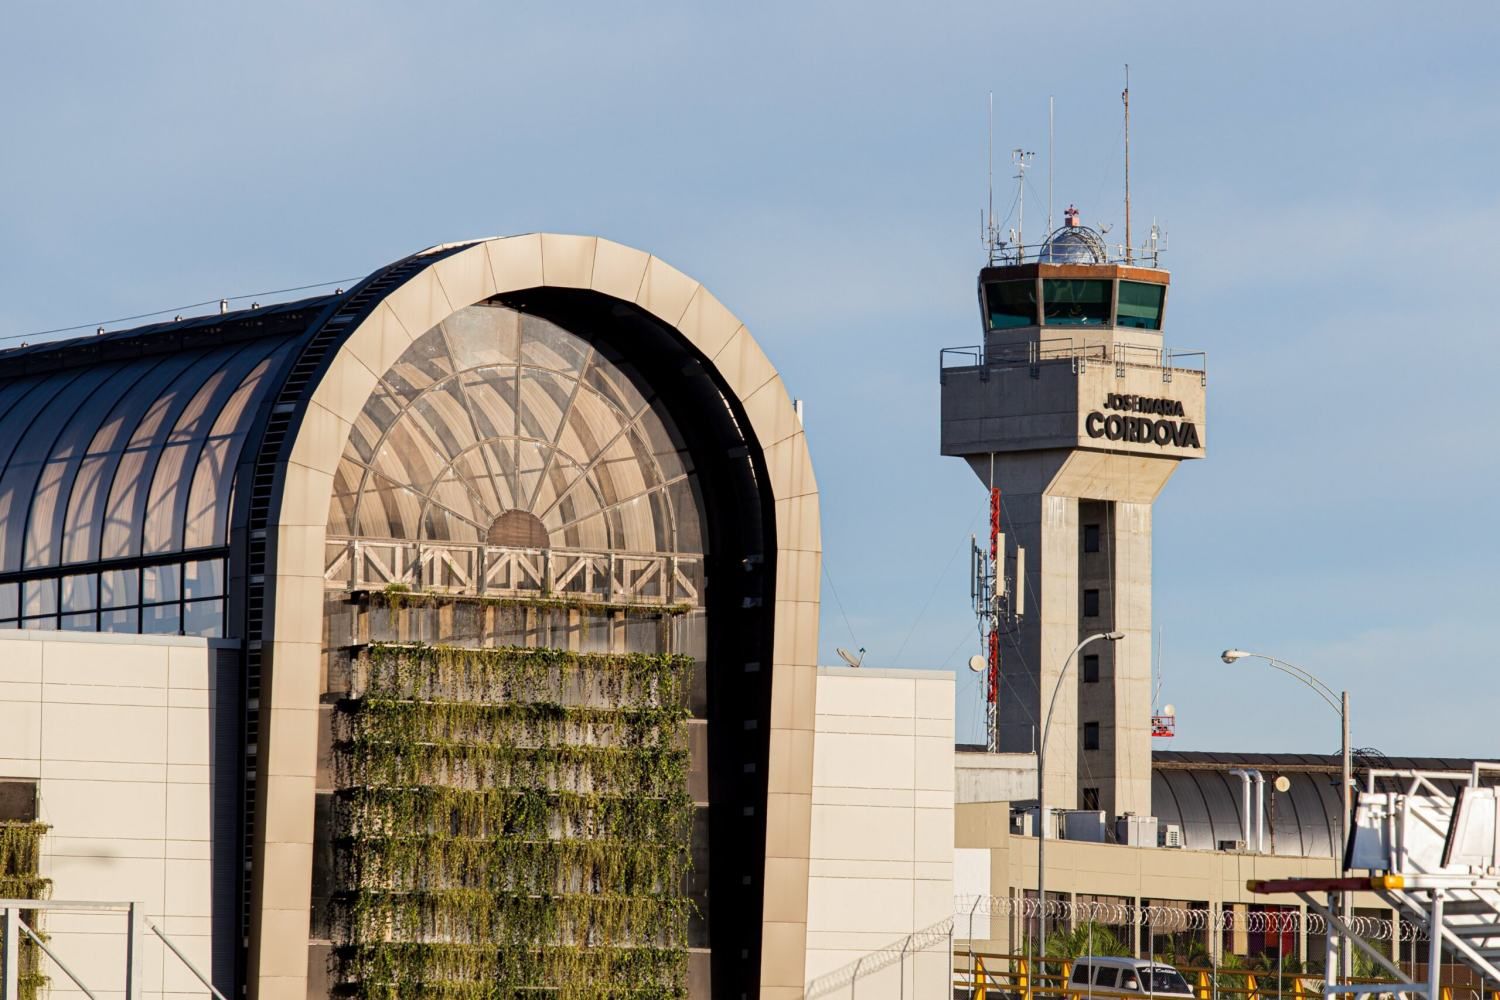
x,y
992,657
996,604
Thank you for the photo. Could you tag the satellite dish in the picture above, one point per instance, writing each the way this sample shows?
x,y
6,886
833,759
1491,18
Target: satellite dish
x,y
849,657
1170,711
1282,783
977,663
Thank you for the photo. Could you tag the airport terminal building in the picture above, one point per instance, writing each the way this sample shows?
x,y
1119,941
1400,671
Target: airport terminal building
x,y
451,630
454,635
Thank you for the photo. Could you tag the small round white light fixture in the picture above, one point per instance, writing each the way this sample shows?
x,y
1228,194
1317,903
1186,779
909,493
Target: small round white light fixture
x,y
1170,711
1230,655
977,663
1282,783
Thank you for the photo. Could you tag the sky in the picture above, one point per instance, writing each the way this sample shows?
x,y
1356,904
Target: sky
x,y
1323,172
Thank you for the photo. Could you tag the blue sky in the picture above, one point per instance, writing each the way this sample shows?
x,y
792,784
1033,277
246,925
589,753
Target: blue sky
x,y
1324,172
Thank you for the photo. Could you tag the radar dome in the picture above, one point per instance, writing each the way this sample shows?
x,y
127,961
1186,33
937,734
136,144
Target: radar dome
x,y
1072,245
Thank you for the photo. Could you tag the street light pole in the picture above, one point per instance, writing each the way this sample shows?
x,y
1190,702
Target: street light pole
x,y
1340,704
1041,801
1346,903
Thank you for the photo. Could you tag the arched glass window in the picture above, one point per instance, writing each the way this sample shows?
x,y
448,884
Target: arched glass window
x,y
503,429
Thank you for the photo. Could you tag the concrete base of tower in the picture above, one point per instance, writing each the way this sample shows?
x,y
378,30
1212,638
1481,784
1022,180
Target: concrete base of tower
x,y
1080,521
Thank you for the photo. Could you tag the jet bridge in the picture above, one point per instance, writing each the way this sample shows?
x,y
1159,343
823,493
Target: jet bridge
x,y
1431,843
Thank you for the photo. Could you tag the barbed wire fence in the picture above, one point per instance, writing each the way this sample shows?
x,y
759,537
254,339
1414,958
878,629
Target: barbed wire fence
x,y
1180,919
895,955
904,953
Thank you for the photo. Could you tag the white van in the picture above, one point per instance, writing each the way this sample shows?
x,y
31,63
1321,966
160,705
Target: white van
x,y
1135,976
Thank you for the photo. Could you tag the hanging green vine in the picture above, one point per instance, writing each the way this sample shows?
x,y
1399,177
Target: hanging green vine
x,y
513,822
20,859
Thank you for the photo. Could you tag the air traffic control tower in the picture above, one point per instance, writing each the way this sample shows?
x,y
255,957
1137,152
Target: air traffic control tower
x,y
1075,411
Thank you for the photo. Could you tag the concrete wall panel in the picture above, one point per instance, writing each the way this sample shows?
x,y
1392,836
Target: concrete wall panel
x,y
882,862
117,730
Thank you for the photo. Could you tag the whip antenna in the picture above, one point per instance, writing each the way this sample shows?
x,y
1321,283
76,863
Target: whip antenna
x,y
1125,96
1051,144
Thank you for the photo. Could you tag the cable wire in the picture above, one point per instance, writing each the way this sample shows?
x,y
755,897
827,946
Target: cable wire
x,y
933,592
838,601
1110,159
179,309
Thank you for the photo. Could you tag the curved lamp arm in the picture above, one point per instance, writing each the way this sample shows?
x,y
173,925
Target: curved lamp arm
x,y
1340,705
1291,669
1063,673
1041,786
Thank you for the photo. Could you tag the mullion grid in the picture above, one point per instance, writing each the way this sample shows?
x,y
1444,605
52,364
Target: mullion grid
x,y
60,612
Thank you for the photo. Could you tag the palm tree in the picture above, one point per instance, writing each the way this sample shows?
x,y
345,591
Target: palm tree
x,y
1088,938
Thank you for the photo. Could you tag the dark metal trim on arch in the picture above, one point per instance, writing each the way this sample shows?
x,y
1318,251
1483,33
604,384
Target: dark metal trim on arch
x,y
261,481
740,541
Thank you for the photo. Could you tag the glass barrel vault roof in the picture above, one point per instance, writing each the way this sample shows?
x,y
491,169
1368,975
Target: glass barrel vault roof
x,y
127,457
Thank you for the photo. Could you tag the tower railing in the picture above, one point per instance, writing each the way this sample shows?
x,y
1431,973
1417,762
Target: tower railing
x,y
1078,352
1007,254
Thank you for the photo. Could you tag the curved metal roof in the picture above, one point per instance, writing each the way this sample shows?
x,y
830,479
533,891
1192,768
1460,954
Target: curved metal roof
x,y
1195,790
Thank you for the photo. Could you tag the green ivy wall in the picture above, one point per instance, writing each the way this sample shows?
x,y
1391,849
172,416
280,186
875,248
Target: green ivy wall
x,y
20,858
512,822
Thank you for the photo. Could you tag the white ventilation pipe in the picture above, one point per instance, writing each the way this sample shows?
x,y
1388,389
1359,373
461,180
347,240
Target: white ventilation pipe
x,y
1244,777
1260,812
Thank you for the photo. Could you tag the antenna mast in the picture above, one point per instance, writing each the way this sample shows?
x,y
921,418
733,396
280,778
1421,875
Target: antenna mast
x,y
989,226
1125,96
990,232
1022,159
1051,144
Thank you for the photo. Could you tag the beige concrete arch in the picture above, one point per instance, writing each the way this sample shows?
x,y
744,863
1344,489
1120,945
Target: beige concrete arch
x,y
291,686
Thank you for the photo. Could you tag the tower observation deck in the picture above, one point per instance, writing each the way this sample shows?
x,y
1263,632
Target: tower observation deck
x,y
1073,408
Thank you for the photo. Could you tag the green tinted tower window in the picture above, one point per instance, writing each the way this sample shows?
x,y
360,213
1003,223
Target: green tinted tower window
x,y
1140,305
1010,303
1076,303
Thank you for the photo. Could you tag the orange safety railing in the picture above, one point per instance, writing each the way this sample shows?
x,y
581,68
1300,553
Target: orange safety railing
x,y
999,976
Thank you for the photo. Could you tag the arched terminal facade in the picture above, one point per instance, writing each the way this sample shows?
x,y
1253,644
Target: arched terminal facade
x,y
518,543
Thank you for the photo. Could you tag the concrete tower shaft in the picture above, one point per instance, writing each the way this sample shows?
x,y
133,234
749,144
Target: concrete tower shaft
x,y
1073,407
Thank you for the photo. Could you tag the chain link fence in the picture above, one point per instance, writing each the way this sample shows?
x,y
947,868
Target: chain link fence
x,y
920,965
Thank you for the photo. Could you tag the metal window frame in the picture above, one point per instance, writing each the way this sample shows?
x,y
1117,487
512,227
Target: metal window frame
x,y
136,564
